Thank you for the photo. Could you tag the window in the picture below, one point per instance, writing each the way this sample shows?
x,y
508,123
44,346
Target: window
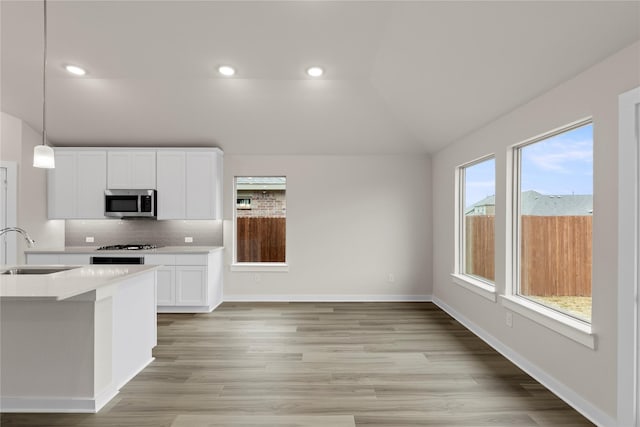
x,y
260,219
554,206
477,220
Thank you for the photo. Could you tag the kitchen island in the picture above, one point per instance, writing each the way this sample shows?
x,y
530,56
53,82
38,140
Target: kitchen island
x,y
69,340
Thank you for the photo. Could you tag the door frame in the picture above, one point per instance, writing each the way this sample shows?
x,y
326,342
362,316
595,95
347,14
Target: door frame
x,y
628,257
12,209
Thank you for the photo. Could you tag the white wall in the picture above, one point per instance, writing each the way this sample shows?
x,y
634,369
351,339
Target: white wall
x,y
351,220
587,375
16,145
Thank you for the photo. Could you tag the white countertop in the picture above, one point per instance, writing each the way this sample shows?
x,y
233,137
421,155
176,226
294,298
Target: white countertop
x,y
65,284
93,250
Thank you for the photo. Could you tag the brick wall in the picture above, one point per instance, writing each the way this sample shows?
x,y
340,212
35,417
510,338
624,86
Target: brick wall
x,y
264,204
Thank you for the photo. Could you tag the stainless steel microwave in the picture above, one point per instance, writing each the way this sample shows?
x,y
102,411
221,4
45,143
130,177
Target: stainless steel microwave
x,y
130,203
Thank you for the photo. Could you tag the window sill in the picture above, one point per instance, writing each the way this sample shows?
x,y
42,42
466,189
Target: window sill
x,y
479,287
574,329
260,266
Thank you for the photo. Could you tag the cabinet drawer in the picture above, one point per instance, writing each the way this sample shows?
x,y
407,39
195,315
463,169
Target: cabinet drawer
x,y
43,259
160,259
74,259
198,259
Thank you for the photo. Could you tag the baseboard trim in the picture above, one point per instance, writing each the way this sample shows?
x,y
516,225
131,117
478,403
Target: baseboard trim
x,y
185,309
565,393
56,405
327,298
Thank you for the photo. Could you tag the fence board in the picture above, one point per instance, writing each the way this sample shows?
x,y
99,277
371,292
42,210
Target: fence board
x,y
261,239
555,253
480,246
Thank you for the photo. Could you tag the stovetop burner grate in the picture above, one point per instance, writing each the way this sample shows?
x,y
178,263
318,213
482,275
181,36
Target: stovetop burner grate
x,y
128,247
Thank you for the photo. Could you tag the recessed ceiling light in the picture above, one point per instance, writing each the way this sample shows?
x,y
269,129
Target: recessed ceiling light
x,y
225,70
73,69
315,71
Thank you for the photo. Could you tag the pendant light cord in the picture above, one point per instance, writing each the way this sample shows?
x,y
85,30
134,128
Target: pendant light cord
x,y
44,80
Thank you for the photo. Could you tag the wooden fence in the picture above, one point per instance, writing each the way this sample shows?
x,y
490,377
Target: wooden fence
x,y
555,253
261,239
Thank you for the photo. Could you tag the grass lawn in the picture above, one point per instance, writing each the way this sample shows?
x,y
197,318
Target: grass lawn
x,y
579,307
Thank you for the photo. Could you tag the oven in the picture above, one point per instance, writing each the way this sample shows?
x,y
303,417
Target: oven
x,y
110,260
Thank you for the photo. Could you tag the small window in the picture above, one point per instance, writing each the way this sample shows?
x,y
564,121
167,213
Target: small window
x,y
477,220
261,213
554,205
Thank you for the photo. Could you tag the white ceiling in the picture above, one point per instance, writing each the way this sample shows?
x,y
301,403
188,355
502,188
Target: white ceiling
x,y
401,77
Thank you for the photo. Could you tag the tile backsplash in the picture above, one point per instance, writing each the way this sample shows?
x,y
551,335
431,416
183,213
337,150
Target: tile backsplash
x,y
161,233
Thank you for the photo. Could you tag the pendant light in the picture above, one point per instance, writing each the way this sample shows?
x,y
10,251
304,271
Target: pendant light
x,y
43,156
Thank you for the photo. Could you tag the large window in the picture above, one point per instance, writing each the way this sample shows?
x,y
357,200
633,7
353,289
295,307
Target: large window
x,y
261,212
477,220
554,177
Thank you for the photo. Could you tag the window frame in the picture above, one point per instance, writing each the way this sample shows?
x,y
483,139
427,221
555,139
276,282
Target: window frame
x,y
476,284
256,266
578,330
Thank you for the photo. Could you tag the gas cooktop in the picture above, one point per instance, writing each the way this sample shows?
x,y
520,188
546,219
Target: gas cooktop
x,y
128,247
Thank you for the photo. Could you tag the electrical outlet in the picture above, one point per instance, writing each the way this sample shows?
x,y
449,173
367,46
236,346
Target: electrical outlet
x,y
509,319
188,239
88,239
391,278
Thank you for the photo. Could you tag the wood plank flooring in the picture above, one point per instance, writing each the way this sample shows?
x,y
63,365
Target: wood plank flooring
x,y
321,365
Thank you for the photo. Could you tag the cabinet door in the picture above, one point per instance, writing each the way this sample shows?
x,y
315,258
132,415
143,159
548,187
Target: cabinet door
x,y
130,169
75,259
201,185
119,170
143,172
165,286
61,186
43,259
91,181
171,184
191,285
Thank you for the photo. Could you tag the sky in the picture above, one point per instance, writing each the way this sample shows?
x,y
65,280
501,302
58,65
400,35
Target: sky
x,y
560,165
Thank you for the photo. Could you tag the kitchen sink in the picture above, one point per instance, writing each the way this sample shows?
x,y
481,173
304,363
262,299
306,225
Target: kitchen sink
x,y
35,270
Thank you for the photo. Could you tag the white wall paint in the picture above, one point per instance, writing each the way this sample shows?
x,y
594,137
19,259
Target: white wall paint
x,y
351,220
590,374
16,144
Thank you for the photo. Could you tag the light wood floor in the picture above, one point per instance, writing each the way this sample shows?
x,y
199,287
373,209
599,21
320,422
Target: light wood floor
x,y
322,365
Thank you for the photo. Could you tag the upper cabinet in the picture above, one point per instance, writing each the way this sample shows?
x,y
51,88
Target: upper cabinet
x,y
172,184
189,184
75,188
188,181
131,169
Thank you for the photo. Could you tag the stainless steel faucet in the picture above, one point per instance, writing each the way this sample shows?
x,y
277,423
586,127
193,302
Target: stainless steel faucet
x,y
30,241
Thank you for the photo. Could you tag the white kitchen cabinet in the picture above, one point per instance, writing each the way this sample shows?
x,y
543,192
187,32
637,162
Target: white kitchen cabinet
x,y
191,285
171,184
75,188
53,259
165,285
188,282
189,184
203,194
131,169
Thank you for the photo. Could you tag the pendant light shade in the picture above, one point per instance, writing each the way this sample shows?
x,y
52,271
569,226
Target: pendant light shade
x,y
43,156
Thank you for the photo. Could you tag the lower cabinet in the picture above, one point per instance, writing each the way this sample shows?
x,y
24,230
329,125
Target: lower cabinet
x,y
184,282
187,283
191,285
53,259
181,285
165,285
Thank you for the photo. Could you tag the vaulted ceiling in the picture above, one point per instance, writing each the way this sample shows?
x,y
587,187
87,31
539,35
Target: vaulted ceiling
x,y
400,77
